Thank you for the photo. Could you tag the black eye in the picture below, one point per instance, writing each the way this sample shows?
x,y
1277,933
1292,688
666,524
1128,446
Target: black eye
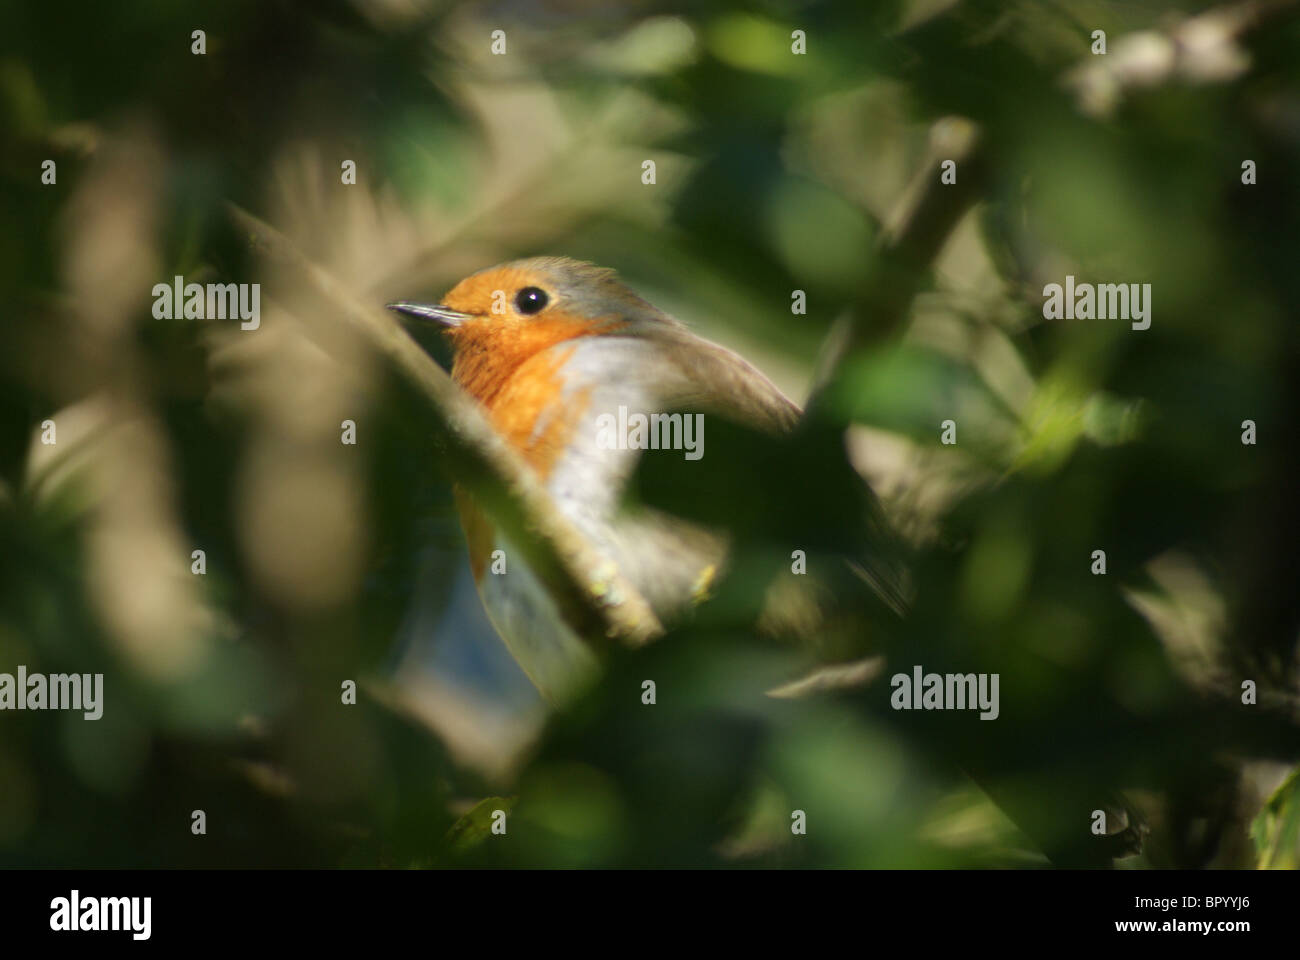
x,y
531,300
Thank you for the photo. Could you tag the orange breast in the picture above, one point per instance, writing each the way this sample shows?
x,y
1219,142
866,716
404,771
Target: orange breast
x,y
528,412
511,370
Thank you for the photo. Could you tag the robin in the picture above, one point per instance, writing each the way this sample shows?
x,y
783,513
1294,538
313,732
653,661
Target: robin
x,y
580,375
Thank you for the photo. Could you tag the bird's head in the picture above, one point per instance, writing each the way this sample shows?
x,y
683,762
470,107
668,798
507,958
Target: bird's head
x,y
500,317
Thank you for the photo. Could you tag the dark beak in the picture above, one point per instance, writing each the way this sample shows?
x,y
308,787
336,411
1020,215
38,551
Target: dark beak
x,y
431,313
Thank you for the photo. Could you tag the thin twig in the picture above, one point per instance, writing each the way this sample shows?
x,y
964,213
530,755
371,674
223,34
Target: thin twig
x,y
913,236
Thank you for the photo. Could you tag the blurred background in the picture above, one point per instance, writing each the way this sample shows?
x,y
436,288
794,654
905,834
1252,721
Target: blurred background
x,y
775,171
